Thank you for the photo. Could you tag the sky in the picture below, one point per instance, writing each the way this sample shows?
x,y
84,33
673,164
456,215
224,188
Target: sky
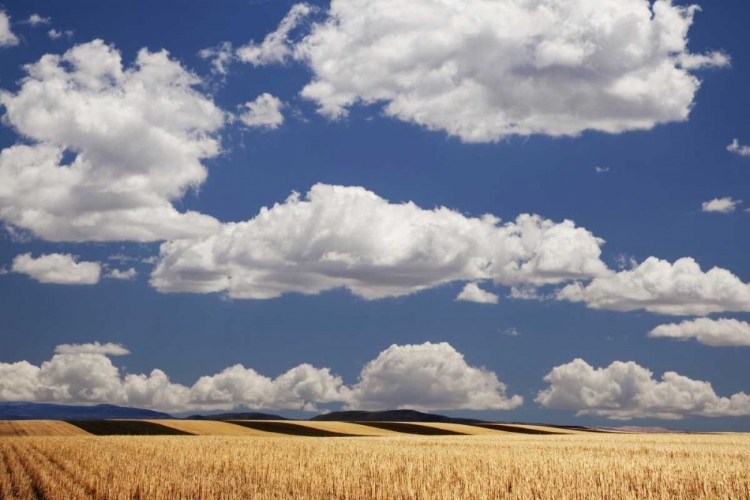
x,y
512,210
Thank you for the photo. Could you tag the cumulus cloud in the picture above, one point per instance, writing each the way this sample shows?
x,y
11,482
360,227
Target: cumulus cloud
x,y
221,57
623,391
137,136
7,38
430,376
276,47
36,20
349,237
117,274
472,293
716,333
55,34
679,289
483,70
721,205
108,349
601,170
263,112
63,269
738,149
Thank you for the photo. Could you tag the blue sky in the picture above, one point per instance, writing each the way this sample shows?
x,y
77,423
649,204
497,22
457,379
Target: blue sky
x,y
330,281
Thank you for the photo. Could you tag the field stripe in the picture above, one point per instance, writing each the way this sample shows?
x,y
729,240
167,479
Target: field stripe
x,y
350,428
521,429
464,429
211,428
412,428
13,428
126,428
287,428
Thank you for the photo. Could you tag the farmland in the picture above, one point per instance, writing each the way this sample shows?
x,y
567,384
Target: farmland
x,y
487,466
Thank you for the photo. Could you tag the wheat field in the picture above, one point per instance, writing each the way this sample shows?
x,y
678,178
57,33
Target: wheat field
x,y
38,428
210,428
513,466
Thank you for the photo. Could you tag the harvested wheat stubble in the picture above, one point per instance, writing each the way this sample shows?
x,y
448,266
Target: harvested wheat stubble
x,y
526,429
412,428
349,428
463,429
513,466
211,428
287,428
38,428
126,428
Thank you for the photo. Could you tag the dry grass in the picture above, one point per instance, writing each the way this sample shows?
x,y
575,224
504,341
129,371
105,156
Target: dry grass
x,y
539,429
211,428
349,428
468,430
586,466
38,428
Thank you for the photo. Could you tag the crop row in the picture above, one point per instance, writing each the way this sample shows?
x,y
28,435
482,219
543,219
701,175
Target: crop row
x,y
404,467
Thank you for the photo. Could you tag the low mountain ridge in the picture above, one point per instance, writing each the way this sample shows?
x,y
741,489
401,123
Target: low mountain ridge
x,y
237,416
393,416
50,411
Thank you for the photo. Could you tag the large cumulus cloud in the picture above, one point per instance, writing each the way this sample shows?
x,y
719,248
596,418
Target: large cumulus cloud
x,y
680,289
427,376
109,147
62,269
349,237
713,332
486,69
623,391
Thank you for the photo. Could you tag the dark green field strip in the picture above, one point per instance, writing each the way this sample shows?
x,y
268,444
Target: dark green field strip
x,y
517,430
125,428
288,428
422,430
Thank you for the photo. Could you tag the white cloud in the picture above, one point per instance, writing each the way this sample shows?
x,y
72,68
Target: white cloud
x,y
264,112
483,70
528,292
623,391
127,258
221,57
349,237
428,377
36,20
679,289
721,205
276,47
7,38
56,34
108,349
63,269
716,333
472,293
127,274
138,134
739,149
511,332
601,170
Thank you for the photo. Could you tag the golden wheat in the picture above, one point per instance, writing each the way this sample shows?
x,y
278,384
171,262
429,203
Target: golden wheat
x,y
38,428
349,428
211,428
514,466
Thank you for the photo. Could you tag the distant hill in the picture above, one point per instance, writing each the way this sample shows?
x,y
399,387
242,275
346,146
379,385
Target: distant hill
x,y
46,411
392,416
237,416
